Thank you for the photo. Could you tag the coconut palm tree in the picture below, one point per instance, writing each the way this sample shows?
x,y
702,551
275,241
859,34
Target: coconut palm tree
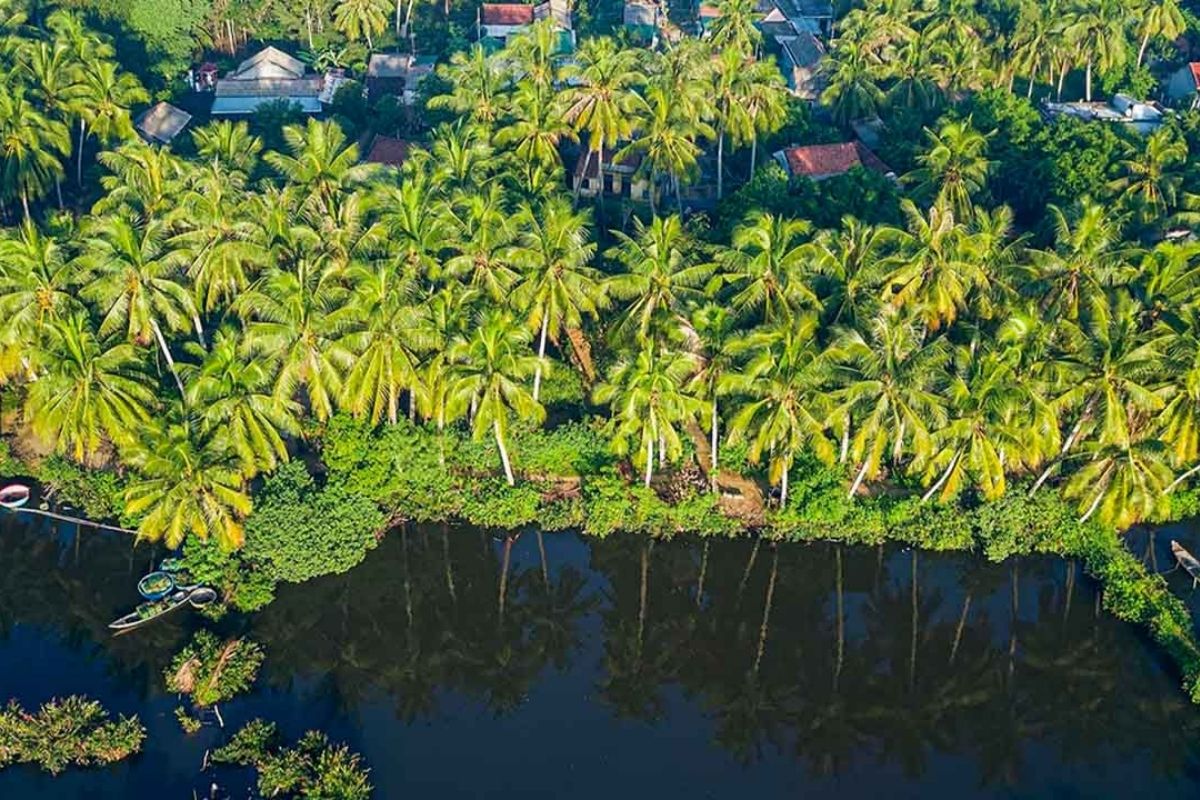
x,y
133,279
765,102
666,143
558,287
889,374
89,391
1163,19
716,330
735,27
487,381
785,385
478,83
36,283
650,404
186,484
733,77
388,341
321,163
230,144
768,265
145,181
1122,484
1152,175
663,278
538,127
32,146
852,91
233,403
1099,29
482,235
851,263
293,318
361,19
53,73
601,99
535,55
953,169
104,99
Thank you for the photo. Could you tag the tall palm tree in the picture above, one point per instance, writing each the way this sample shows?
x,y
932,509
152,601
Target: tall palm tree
x,y
558,287
482,235
232,398
538,127
1036,40
230,144
954,167
90,391
36,283
105,96
664,277
733,81
765,102
488,376
650,404
666,142
321,163
31,148
54,82
1152,175
186,484
716,330
477,83
852,90
785,384
601,98
1162,19
294,317
851,263
361,19
1099,29
889,374
768,265
133,280
389,338
1122,484
735,27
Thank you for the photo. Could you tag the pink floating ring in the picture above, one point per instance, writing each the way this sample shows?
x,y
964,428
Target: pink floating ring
x,y
14,496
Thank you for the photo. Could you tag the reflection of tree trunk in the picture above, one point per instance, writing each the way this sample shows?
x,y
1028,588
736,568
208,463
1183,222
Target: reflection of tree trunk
x,y
1013,608
542,554
503,598
703,572
962,623
641,629
408,606
749,566
912,651
449,566
766,618
1070,590
841,619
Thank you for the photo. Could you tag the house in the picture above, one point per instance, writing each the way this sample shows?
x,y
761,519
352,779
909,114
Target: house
x,y
1142,117
161,123
499,21
641,18
268,76
614,178
820,161
804,16
388,151
1183,87
396,74
800,61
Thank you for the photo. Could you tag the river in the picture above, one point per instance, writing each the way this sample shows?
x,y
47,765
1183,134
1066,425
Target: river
x,y
624,667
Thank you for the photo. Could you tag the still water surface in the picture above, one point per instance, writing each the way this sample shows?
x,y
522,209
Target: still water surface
x,y
629,668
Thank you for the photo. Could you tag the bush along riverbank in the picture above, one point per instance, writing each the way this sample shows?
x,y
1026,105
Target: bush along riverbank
x,y
324,514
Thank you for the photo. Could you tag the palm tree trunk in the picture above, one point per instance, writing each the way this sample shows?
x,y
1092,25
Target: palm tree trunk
x,y
1062,78
783,483
508,472
945,476
715,439
720,161
79,155
449,565
753,152
502,598
841,618
162,343
845,441
643,596
1142,49
25,203
962,623
1095,504
862,473
537,373
649,457
1181,479
1087,81
1087,412
58,191
1029,91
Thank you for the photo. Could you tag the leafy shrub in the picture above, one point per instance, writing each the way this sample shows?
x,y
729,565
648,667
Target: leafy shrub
x,y
495,504
74,731
240,583
212,670
298,532
99,492
569,450
314,768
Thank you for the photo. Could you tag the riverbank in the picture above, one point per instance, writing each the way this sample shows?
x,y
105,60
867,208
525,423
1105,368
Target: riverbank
x,y
322,515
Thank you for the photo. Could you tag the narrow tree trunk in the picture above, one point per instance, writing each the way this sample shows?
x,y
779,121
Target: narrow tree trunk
x,y
945,476
508,472
715,439
783,483
962,623
537,373
25,204
162,343
1181,479
753,153
449,565
58,191
644,596
1142,49
1067,445
720,162
649,458
79,155
841,619
1095,504
1062,78
1029,91
1087,81
502,599
858,481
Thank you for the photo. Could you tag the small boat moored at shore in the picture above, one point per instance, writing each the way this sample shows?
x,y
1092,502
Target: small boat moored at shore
x,y
14,496
1186,560
197,597
156,585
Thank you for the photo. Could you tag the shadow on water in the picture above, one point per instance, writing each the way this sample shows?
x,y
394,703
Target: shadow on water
x,y
463,665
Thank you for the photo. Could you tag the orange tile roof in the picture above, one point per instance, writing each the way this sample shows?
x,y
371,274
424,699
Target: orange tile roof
x,y
388,150
507,14
1195,68
825,160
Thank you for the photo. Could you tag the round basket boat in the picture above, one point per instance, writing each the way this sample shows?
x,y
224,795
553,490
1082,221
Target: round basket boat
x,y
202,596
156,585
14,496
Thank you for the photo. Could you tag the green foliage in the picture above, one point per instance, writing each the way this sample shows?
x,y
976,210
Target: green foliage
x,y
299,531
73,731
243,585
99,492
493,503
212,670
187,722
574,449
314,768
168,28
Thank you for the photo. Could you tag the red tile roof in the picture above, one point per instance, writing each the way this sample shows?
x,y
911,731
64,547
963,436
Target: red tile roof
x,y
1195,68
826,160
389,151
507,14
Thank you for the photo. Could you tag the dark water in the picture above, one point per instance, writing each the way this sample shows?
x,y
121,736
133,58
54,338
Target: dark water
x,y
598,671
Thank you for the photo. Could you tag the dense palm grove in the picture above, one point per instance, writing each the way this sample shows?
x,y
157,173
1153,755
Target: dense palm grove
x,y
211,311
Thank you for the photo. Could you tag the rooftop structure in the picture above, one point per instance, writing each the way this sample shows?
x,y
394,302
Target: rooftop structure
x,y
161,123
268,76
1143,117
388,151
800,63
820,161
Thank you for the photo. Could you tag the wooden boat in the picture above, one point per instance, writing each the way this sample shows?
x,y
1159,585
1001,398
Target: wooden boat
x,y
156,585
14,496
1186,560
146,612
